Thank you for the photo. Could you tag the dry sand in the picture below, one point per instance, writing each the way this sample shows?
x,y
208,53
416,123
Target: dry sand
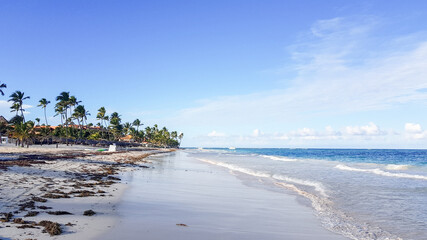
x,y
74,179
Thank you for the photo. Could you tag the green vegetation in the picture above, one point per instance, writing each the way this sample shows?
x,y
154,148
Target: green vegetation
x,y
74,127
17,98
2,85
43,103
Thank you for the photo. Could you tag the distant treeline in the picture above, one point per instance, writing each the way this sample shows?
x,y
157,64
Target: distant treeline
x,y
75,129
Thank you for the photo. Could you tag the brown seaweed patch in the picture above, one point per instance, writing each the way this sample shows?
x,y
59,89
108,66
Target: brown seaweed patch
x,y
18,220
89,213
7,217
32,214
59,213
39,199
79,185
22,221
83,193
26,226
53,228
44,207
113,178
138,158
55,196
24,206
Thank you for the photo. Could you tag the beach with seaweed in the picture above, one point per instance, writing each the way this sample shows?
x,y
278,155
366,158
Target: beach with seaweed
x,y
68,192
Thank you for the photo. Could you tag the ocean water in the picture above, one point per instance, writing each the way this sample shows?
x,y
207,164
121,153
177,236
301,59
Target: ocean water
x,y
361,194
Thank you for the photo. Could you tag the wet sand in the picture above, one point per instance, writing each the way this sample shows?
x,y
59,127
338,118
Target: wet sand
x,y
183,198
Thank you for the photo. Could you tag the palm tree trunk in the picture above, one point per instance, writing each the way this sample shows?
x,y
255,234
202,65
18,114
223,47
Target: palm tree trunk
x,y
80,126
103,129
22,114
66,127
45,116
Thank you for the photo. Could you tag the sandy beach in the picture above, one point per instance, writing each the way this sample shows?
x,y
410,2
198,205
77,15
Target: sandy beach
x,y
163,196
184,198
73,190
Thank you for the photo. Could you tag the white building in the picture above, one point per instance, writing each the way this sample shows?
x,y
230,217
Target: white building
x,y
4,140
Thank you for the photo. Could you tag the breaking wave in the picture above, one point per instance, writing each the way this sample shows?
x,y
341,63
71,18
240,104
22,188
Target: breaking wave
x,y
316,185
337,221
275,158
333,219
396,167
381,172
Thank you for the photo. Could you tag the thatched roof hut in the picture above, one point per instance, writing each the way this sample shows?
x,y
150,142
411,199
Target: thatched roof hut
x,y
3,120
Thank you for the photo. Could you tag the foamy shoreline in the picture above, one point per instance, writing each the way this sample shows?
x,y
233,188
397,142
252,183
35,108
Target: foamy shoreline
x,y
71,179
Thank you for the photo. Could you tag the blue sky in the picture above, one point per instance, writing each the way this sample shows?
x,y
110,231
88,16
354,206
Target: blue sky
x,y
229,73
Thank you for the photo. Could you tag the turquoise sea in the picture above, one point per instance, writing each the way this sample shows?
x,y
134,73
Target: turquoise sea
x,y
359,193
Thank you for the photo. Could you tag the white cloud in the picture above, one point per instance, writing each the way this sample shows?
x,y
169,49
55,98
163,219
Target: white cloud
x,y
257,133
216,134
299,137
415,131
413,128
349,132
368,130
304,133
5,109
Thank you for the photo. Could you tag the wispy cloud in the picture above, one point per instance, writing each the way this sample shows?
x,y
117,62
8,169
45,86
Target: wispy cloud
x,y
308,136
216,134
341,67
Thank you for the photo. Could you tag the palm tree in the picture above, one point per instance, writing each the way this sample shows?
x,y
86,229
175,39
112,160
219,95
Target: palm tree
x,y
79,114
43,103
59,109
115,124
137,123
15,108
64,101
115,118
22,131
18,98
127,128
85,114
38,121
148,134
63,104
180,136
102,117
174,135
72,102
2,86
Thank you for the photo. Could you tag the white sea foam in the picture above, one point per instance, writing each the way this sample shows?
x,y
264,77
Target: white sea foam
x,y
237,168
338,221
276,158
397,167
381,172
316,185
331,218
